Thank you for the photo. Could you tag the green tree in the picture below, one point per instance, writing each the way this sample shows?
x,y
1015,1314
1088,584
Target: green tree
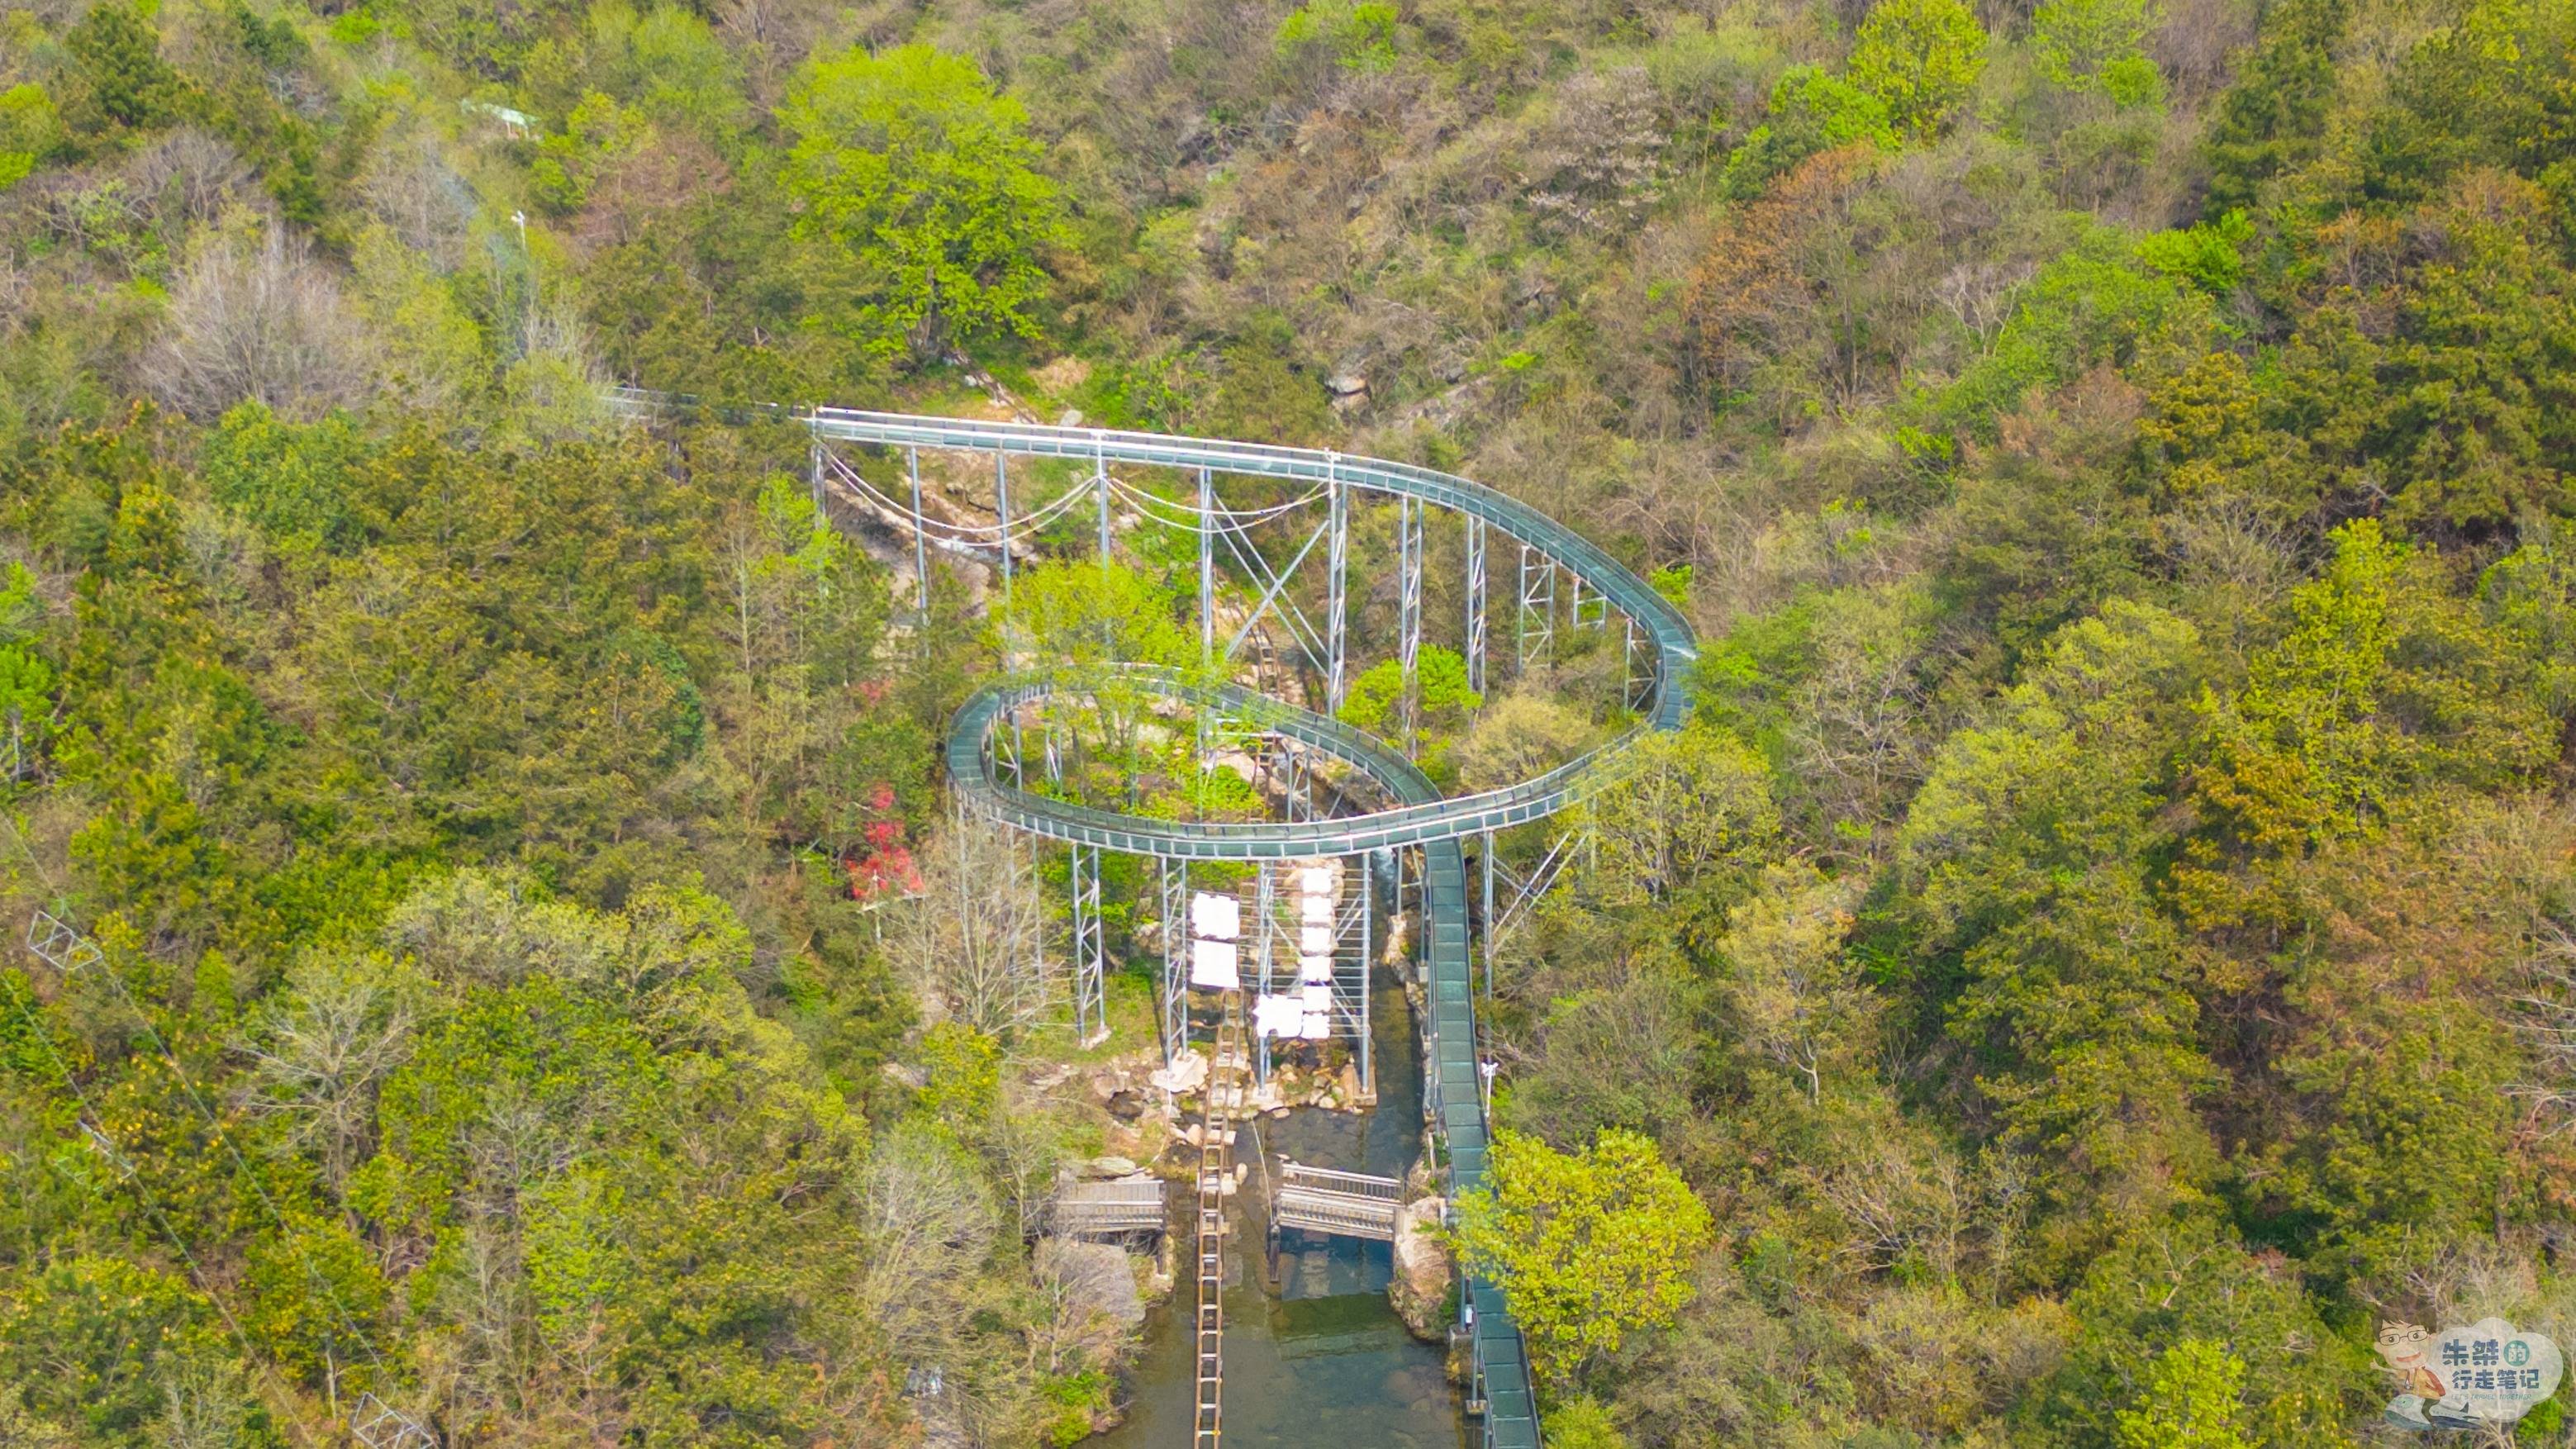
x,y
91,1339
119,54
2384,684
1921,59
909,164
2191,1401
2097,45
1591,1247
1811,110
29,131
2273,118
2027,855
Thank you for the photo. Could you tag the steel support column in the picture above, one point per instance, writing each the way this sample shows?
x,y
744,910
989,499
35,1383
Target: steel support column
x,y
1409,612
1090,991
814,473
920,535
1367,1050
1207,607
1002,517
1207,568
1638,682
1175,881
1475,605
1264,913
1337,553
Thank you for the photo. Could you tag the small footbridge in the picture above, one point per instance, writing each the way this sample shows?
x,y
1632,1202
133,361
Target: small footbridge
x,y
1341,1204
1431,830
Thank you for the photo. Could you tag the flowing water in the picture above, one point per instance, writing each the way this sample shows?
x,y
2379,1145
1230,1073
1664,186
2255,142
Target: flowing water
x,y
1321,1362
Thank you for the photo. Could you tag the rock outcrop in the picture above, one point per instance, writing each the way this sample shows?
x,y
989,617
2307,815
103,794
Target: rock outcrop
x,y
1419,1290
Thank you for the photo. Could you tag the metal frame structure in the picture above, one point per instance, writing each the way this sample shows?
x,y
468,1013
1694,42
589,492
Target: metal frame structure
x,y
1420,817
1537,636
1275,937
1172,881
1408,626
1475,636
1090,976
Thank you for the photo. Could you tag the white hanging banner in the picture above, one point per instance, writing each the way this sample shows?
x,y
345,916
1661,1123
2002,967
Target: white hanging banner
x,y
1315,910
1315,969
1314,940
1278,1016
1215,917
1215,966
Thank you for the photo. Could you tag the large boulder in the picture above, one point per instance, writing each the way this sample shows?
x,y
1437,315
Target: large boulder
x,y
1419,1289
1185,1075
1094,1276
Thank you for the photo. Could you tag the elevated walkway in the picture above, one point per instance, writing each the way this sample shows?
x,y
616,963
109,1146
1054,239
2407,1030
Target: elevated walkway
x,y
1421,818
1343,1204
1126,1207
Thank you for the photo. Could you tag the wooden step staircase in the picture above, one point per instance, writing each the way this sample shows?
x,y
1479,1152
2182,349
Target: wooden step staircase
x,y
1225,1100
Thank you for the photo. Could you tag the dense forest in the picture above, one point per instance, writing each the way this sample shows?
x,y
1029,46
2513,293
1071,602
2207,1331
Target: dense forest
x,y
2103,944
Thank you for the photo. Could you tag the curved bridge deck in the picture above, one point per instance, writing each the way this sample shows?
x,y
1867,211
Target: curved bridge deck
x,y
1421,818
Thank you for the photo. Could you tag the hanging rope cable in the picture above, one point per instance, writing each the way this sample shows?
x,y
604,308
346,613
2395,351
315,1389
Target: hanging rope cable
x,y
1238,517
970,535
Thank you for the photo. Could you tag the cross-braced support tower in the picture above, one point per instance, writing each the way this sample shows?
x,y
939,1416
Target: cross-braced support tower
x,y
1538,609
1090,955
1475,640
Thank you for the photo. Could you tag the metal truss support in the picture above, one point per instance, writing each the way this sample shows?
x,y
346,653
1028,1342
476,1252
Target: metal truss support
x,y
1475,605
814,473
1266,945
920,534
1337,554
1485,867
1295,772
380,1425
1207,608
1023,929
1090,953
1538,608
1002,513
1639,675
1365,1040
1274,591
1207,568
1588,611
55,943
1175,881
1100,481
1527,890
1409,611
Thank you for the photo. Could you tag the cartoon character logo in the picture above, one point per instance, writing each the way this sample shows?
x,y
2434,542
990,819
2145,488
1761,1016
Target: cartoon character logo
x,y
2402,1344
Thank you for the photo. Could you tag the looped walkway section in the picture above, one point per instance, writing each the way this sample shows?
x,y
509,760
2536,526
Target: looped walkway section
x,y
1421,817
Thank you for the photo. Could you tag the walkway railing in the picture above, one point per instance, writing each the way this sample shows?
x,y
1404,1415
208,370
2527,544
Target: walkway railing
x,y
1344,1204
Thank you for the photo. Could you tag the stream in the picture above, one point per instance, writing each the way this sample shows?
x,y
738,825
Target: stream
x,y
1322,1363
